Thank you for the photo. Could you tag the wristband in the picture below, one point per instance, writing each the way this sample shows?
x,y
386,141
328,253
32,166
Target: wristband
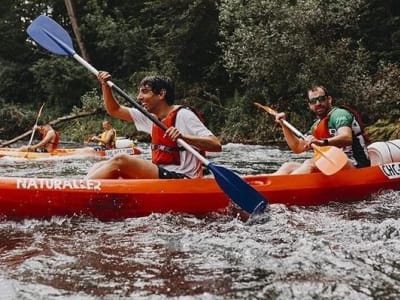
x,y
325,142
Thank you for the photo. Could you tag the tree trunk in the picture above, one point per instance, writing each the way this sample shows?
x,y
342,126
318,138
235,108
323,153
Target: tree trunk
x,y
53,123
75,27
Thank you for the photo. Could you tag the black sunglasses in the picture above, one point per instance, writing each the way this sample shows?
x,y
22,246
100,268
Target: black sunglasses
x,y
319,99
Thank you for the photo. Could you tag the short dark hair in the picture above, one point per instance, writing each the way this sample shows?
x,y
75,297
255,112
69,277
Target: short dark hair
x,y
158,83
314,88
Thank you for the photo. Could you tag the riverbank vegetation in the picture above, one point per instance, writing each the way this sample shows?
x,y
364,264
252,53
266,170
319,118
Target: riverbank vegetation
x,y
223,55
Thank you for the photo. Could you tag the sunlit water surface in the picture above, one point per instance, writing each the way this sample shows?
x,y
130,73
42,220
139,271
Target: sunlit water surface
x,y
336,251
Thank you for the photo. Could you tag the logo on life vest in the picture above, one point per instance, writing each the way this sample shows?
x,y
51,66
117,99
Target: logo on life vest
x,y
58,184
392,170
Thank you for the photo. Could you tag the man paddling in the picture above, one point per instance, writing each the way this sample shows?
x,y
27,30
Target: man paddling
x,y
49,142
334,127
169,160
107,139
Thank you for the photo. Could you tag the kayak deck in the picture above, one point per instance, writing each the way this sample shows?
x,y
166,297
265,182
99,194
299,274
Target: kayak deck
x,y
117,199
63,152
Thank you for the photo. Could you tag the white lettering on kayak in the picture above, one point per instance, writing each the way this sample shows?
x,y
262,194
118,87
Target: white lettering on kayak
x,y
113,152
392,170
58,184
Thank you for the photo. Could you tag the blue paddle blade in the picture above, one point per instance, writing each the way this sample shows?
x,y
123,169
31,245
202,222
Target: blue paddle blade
x,y
51,36
240,192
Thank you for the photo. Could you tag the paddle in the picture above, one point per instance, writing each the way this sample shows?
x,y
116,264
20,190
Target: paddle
x,y
51,36
34,127
328,159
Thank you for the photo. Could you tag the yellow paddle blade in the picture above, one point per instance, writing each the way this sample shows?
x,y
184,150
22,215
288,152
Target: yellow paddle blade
x,y
329,159
266,108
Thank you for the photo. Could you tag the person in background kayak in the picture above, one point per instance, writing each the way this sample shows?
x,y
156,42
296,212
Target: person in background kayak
x,y
334,127
107,139
169,160
49,142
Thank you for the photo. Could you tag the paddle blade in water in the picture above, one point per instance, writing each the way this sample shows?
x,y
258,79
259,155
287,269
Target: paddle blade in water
x,y
329,160
240,192
51,36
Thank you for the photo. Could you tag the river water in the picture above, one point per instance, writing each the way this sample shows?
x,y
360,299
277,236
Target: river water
x,y
335,251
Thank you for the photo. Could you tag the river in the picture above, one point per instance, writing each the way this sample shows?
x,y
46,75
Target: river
x,y
335,251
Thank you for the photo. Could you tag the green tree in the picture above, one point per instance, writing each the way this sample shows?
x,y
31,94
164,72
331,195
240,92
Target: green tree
x,y
380,30
183,37
280,47
15,56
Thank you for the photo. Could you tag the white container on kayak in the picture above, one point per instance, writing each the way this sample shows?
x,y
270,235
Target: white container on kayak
x,y
123,143
384,152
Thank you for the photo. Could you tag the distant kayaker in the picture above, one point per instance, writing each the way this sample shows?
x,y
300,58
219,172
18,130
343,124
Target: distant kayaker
x,y
107,139
49,142
334,127
169,160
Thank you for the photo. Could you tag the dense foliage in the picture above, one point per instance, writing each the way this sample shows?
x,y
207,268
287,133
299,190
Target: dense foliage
x,y
280,48
224,55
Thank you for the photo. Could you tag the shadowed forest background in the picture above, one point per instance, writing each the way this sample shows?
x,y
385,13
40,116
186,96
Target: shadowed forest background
x,y
223,56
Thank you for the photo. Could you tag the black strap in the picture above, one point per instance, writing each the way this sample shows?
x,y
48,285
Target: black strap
x,y
166,148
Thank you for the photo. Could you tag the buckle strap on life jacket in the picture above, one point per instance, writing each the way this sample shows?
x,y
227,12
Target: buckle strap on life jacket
x,y
166,148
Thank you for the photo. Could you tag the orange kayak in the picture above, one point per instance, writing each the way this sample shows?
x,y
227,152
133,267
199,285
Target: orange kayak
x,y
117,199
62,152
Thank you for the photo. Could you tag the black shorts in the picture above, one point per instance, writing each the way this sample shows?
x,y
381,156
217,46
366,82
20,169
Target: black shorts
x,y
165,174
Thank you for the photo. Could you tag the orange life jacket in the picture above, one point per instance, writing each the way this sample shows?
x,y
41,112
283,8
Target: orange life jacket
x,y
55,142
163,150
321,131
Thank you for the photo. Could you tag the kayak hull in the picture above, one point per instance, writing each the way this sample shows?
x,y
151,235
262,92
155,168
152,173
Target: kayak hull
x,y
40,198
67,152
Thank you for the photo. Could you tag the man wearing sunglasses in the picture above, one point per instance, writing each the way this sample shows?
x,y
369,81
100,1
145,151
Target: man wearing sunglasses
x,y
334,126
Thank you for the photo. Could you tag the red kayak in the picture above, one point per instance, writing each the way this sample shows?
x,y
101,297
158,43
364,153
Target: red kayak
x,y
117,199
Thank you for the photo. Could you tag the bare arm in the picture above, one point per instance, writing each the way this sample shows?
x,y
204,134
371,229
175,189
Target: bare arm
x,y
343,138
207,143
112,106
297,145
43,143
